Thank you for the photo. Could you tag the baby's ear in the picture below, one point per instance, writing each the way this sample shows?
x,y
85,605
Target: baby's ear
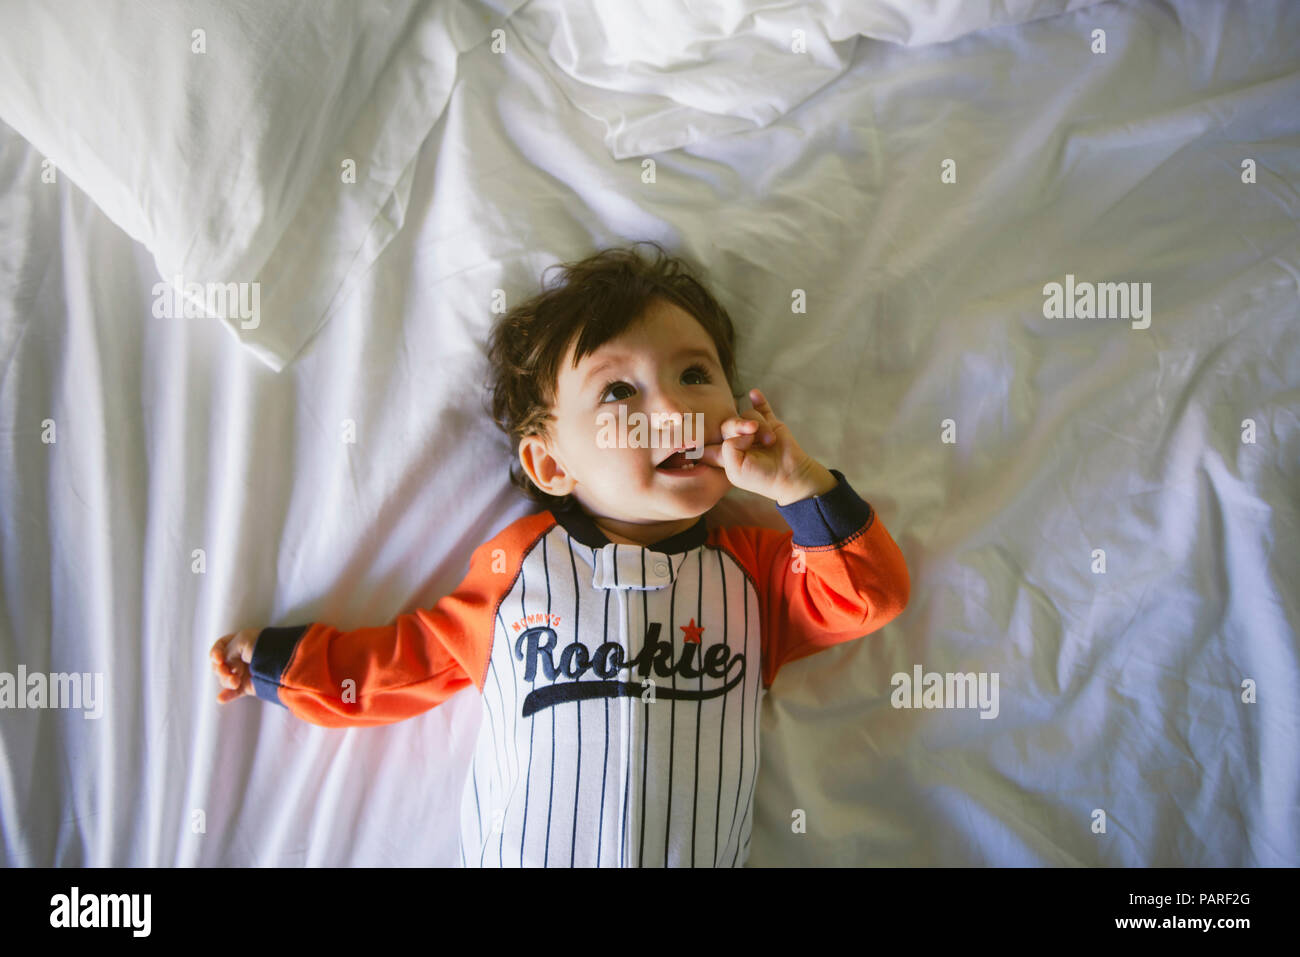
x,y
542,468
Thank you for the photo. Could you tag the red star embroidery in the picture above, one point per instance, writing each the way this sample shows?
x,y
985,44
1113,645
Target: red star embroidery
x,y
692,632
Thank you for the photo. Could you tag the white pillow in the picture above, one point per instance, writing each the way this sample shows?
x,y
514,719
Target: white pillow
x,y
660,74
215,132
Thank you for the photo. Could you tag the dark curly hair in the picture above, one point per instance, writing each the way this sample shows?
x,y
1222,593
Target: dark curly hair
x,y
596,299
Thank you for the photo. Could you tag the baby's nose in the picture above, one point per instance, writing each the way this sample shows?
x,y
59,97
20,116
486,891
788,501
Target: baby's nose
x,y
671,402
674,421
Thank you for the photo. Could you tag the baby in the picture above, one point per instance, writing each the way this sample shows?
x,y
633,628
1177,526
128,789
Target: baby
x,y
621,647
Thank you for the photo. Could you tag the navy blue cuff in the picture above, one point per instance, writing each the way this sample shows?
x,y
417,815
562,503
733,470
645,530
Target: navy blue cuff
x,y
271,656
821,520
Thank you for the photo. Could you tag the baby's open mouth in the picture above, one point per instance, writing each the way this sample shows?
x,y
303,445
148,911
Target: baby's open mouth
x,y
677,461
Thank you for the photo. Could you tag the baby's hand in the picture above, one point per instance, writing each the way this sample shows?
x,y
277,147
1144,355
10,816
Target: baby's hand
x,y
230,658
760,455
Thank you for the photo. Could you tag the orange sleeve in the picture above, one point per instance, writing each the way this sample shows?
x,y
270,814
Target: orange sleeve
x,y
837,575
382,674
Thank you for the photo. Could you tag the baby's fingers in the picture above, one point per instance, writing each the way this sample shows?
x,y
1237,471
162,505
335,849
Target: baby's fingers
x,y
230,694
711,455
237,647
231,675
236,687
738,426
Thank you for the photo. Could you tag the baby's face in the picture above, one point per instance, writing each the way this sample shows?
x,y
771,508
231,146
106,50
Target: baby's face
x,y
666,368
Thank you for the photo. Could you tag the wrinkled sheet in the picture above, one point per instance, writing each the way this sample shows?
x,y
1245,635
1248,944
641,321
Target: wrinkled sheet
x,y
728,65
1160,692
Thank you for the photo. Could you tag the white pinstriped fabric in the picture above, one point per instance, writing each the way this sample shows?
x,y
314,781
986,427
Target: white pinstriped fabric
x,y
580,768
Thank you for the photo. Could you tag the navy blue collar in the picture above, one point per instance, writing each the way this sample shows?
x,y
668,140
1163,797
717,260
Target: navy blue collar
x,y
579,524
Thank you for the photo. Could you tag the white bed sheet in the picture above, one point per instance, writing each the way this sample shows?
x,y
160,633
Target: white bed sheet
x,y
1120,692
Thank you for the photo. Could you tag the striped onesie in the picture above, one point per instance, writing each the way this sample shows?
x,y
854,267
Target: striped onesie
x,y
620,685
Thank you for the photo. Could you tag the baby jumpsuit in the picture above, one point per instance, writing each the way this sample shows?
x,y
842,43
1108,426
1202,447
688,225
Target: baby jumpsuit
x,y
620,684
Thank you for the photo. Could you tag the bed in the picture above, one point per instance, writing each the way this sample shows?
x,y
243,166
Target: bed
x,y
1099,514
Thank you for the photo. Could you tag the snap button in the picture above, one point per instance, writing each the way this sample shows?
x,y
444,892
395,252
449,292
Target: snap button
x,y
661,568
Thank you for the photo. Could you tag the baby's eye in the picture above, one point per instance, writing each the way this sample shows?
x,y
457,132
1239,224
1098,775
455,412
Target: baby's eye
x,y
611,385
700,371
